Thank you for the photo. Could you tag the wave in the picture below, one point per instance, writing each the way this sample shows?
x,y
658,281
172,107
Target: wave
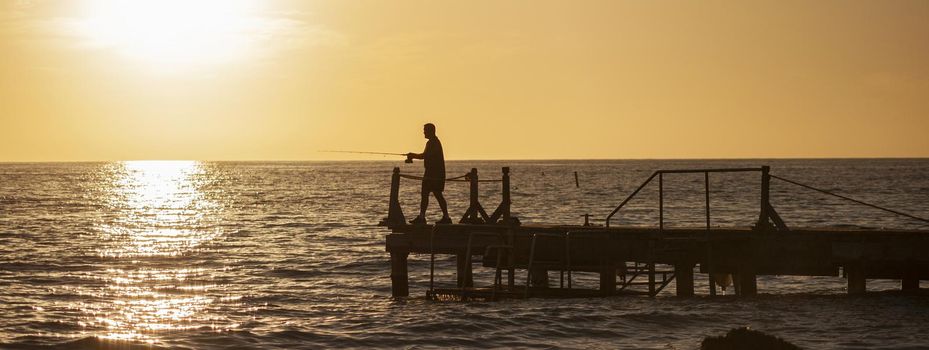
x,y
88,343
297,262
294,273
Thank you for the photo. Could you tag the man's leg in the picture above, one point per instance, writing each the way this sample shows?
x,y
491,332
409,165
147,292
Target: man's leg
x,y
441,199
425,201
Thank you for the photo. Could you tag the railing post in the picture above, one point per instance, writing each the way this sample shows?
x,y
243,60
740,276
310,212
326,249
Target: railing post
x,y
394,212
474,212
474,187
764,215
502,215
660,202
506,195
706,181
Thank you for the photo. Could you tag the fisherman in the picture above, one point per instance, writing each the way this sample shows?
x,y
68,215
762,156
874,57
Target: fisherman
x,y
434,176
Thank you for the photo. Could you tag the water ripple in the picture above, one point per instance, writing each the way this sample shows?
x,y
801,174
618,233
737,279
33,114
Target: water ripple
x,y
287,255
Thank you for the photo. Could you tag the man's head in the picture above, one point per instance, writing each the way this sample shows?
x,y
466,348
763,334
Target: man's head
x,y
429,130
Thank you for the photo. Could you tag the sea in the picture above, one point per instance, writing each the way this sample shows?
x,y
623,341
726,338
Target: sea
x,y
289,255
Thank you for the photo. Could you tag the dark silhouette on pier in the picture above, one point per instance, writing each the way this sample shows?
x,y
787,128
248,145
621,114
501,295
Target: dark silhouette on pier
x,y
638,260
434,176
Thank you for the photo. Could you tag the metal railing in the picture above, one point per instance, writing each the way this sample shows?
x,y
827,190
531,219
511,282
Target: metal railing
x,y
892,211
767,213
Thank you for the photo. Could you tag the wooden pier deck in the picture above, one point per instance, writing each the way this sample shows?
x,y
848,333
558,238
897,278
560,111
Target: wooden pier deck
x,y
641,260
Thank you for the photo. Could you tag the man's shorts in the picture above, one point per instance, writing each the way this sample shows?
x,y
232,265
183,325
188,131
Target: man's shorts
x,y
434,185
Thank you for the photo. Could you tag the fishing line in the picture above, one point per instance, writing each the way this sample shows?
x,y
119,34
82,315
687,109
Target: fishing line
x,y
408,160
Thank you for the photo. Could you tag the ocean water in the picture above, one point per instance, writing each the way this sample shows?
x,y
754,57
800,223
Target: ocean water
x,y
288,255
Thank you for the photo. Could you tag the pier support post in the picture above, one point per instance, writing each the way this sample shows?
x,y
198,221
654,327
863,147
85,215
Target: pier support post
x,y
539,278
856,278
711,276
748,284
607,278
465,272
399,277
910,280
910,284
745,278
652,291
684,276
746,281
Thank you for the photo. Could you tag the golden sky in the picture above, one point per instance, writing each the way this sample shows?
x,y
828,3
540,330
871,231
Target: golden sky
x,y
281,80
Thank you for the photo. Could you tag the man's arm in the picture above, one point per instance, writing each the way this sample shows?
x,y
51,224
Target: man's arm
x,y
412,155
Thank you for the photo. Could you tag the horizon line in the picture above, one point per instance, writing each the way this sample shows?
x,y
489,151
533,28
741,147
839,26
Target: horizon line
x,y
447,160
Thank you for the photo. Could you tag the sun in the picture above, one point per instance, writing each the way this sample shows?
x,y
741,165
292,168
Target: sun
x,y
172,33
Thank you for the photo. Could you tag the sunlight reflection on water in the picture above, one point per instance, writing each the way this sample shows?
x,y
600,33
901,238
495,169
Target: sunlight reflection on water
x,y
161,213
160,208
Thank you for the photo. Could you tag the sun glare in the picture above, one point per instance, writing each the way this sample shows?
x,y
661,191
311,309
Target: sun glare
x,y
163,214
172,33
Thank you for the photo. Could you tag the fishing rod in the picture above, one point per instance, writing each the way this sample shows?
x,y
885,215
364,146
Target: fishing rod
x,y
408,160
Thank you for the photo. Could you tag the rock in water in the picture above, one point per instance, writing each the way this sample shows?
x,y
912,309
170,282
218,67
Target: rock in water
x,y
744,338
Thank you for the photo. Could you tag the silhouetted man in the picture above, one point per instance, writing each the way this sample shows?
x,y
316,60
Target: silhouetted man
x,y
434,177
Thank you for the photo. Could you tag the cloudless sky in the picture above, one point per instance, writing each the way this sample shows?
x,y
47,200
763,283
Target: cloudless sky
x,y
281,80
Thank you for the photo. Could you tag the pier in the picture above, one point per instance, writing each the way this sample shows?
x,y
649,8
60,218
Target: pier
x,y
534,260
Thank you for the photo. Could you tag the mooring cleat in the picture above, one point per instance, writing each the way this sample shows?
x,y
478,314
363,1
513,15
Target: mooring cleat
x,y
419,220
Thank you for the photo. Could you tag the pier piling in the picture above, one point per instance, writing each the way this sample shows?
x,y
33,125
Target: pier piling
x,y
607,278
855,274
748,284
465,271
747,279
684,275
910,280
539,278
399,275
